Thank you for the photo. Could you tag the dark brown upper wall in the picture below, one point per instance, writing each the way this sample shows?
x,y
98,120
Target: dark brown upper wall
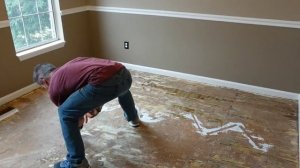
x,y
66,4
3,15
271,9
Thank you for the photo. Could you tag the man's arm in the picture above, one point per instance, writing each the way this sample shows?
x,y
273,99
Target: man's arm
x,y
90,114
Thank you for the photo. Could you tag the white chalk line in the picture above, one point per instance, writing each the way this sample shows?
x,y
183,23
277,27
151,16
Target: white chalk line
x,y
203,131
231,126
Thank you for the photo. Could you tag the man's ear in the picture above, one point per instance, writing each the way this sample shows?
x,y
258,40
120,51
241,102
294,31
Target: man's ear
x,y
45,82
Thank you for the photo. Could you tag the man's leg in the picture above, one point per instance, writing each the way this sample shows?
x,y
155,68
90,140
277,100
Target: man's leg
x,y
125,98
122,82
127,103
76,105
88,98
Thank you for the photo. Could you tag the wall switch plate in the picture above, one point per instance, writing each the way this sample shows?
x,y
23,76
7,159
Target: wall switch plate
x,y
126,45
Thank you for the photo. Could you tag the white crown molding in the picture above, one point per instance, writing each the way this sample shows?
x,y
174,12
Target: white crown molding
x,y
184,15
74,10
218,83
18,93
4,23
199,16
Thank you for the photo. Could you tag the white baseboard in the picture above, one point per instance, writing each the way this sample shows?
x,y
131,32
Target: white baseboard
x,y
8,114
221,83
216,82
210,81
18,93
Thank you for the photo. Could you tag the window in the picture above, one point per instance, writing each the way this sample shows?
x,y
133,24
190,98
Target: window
x,y
35,26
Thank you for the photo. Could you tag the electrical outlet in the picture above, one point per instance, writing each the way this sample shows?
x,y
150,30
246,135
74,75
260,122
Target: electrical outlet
x,y
126,45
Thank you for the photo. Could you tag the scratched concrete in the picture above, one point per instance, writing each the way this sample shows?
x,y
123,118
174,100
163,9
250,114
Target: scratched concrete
x,y
185,125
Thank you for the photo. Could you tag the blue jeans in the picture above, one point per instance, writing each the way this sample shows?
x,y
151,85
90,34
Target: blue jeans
x,y
88,98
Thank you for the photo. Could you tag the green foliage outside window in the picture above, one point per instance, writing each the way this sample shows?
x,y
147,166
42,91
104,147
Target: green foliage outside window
x,y
31,22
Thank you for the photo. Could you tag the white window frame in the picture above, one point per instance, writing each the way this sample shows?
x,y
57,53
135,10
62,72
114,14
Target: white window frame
x,y
59,43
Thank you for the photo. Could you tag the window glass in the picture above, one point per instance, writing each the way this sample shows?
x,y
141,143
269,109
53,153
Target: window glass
x,y
44,6
32,23
28,6
18,33
13,8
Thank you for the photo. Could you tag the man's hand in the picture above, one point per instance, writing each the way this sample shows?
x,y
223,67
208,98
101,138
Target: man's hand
x,y
90,114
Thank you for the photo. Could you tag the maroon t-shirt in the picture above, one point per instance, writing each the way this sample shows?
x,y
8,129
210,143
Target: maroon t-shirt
x,y
78,72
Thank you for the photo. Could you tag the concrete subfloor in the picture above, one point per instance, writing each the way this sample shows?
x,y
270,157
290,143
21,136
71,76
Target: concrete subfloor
x,y
185,125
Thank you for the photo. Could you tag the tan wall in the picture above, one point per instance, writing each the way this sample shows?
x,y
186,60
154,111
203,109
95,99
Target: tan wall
x,y
257,55
16,75
275,9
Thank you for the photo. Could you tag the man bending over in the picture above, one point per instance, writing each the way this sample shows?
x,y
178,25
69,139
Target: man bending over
x,y
80,88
